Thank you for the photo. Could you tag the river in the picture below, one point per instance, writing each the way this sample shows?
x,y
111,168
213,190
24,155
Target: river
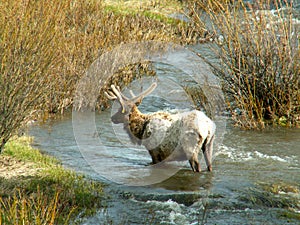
x,y
255,180
232,194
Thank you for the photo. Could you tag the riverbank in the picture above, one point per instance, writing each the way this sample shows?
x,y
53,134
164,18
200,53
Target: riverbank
x,y
35,187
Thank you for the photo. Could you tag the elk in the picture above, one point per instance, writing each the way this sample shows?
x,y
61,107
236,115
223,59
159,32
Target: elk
x,y
166,136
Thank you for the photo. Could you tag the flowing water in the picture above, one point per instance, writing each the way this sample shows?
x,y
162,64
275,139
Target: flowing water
x,y
232,194
256,176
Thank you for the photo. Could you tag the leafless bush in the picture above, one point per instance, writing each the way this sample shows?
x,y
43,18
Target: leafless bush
x,y
260,59
24,61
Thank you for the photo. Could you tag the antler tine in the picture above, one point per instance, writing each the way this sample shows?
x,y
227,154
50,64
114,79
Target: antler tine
x,y
145,93
123,96
116,91
110,95
119,96
132,94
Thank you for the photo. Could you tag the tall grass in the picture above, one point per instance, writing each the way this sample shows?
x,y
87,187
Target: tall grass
x,y
24,60
23,209
260,59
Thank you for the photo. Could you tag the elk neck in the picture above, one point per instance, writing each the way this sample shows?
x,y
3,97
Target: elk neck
x,y
137,122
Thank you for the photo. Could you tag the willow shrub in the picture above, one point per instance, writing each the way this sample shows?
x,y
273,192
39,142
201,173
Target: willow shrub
x,y
46,47
27,53
260,59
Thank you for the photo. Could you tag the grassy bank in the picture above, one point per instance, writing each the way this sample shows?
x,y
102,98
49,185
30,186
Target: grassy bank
x,y
36,189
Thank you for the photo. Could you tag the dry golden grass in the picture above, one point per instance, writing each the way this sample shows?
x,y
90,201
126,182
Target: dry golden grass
x,y
260,60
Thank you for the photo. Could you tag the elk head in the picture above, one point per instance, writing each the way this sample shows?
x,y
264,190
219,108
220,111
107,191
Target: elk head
x,y
127,104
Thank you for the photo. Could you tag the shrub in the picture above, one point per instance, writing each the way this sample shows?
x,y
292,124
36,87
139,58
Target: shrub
x,y
27,34
260,59
46,47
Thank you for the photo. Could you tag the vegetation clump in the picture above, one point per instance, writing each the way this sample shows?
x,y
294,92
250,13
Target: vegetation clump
x,y
260,59
280,195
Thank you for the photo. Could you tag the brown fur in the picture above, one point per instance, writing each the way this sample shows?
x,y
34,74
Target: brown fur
x,y
137,122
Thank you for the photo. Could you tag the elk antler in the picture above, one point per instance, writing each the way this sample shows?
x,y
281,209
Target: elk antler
x,y
140,96
116,94
110,95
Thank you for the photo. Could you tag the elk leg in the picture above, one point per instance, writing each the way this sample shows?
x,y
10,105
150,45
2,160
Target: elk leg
x,y
192,164
195,163
207,149
156,155
153,156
